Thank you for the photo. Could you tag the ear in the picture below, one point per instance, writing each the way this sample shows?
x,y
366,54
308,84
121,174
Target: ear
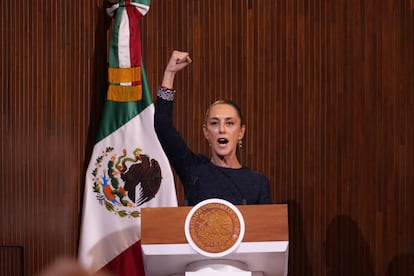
x,y
242,131
205,131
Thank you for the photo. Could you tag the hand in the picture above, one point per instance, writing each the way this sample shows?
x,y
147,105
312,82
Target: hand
x,y
177,62
69,266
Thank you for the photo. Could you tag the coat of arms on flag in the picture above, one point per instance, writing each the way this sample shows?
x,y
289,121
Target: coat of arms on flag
x,y
119,185
128,169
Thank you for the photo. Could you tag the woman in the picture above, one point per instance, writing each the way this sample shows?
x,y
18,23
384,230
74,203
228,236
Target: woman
x,y
221,175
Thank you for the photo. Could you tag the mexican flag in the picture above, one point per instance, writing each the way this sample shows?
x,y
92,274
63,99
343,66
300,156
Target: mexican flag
x,y
128,169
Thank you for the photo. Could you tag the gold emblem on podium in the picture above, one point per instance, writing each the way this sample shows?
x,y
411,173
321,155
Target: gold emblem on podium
x,y
214,227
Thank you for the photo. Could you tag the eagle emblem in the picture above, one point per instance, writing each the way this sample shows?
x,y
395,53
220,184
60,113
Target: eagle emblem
x,y
123,182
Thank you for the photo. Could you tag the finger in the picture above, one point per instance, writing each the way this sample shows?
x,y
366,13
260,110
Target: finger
x,y
185,59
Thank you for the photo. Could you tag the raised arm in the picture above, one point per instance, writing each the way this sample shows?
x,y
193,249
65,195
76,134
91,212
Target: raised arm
x,y
173,144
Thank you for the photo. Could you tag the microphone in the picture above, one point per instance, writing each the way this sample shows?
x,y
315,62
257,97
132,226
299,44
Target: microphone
x,y
244,201
190,190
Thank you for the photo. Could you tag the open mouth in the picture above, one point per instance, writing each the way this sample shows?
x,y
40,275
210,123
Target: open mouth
x,y
222,141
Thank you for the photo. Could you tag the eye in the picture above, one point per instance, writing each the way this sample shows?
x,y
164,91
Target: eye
x,y
230,123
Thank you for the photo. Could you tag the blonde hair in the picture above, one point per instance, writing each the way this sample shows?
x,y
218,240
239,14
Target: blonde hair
x,y
228,102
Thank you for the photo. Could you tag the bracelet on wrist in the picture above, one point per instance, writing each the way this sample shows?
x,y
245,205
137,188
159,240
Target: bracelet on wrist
x,y
166,93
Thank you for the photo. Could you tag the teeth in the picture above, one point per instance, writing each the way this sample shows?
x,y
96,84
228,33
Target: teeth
x,y
222,141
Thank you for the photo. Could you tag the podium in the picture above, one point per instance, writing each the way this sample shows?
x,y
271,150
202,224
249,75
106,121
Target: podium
x,y
262,251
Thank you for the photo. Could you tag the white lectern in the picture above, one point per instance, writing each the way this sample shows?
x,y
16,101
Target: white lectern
x,y
262,251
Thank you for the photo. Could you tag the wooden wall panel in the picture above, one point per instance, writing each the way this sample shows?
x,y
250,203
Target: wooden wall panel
x,y
47,83
326,88
12,260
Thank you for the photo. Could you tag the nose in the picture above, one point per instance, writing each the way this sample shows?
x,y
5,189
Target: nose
x,y
222,128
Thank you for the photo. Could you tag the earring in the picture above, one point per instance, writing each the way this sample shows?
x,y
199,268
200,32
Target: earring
x,y
240,144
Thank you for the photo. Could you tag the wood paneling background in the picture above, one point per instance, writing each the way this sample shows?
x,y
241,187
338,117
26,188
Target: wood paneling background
x,y
326,88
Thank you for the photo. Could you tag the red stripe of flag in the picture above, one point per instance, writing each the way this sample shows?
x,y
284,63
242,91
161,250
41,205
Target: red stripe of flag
x,y
128,263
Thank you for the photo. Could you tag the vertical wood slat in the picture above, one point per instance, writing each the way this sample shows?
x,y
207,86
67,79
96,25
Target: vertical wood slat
x,y
12,260
326,87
